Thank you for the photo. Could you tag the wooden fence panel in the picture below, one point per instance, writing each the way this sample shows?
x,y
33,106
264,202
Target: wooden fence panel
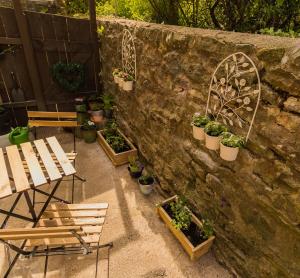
x,y
54,38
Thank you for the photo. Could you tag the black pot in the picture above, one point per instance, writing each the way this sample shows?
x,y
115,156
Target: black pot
x,y
135,175
5,122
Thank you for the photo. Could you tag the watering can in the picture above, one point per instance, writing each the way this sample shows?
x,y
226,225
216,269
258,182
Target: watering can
x,y
19,135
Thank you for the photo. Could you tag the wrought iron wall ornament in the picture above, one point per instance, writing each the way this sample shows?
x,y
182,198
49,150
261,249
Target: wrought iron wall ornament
x,y
128,54
234,92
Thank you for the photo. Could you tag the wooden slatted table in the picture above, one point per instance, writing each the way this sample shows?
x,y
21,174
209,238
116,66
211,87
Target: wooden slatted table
x,y
27,168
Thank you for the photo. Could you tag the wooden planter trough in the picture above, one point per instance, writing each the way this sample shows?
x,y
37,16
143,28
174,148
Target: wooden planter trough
x,y
194,252
116,158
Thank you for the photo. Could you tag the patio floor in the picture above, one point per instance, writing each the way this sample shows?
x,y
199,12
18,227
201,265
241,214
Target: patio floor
x,y
143,247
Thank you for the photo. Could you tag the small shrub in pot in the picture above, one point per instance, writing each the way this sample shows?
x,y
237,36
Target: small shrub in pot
x,y
146,183
135,168
115,74
199,122
89,132
230,145
212,132
128,82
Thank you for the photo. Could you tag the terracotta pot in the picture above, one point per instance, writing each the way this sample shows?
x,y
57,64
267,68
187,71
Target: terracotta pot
x,y
212,142
97,116
127,85
228,153
198,133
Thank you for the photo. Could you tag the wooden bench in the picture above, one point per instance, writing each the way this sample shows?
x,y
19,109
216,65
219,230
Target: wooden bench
x,y
63,229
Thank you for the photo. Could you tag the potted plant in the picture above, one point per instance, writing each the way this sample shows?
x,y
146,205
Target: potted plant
x,y
128,82
195,236
135,168
115,144
198,123
19,135
108,102
89,132
146,183
121,79
230,145
212,132
97,112
115,74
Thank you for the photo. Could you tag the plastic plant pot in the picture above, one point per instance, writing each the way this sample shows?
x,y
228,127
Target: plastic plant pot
x,y
198,133
89,136
212,142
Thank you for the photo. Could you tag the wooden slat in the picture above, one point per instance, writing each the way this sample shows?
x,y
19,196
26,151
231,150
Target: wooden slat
x,y
5,40
39,236
74,214
61,241
17,169
61,156
38,123
92,229
48,162
38,230
33,164
71,207
71,222
5,189
57,115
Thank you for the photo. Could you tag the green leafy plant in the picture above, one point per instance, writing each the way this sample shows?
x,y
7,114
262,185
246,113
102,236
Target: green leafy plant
x,y
230,140
117,143
214,128
182,216
100,30
134,164
146,179
108,101
110,129
96,106
88,125
200,121
116,72
207,228
128,77
69,77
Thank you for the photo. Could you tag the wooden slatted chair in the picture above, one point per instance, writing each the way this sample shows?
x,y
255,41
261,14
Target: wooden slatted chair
x,y
38,119
63,229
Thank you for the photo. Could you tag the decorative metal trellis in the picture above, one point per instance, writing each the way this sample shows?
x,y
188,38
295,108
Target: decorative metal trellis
x,y
128,54
234,92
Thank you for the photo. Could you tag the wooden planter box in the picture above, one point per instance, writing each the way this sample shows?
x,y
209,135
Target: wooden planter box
x,y
194,252
116,158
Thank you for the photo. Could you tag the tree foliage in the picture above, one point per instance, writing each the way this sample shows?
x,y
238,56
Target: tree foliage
x,y
278,17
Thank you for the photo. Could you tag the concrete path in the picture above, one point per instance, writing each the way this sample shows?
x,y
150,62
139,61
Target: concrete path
x,y
143,247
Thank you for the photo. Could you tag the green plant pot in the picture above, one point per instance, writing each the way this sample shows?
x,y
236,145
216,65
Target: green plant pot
x,y
19,135
89,136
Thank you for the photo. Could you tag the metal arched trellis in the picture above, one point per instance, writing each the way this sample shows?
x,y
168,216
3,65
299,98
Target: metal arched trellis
x,y
234,92
128,54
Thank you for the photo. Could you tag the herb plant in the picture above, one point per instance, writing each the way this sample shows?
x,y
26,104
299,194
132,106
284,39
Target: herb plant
x,y
207,228
88,125
134,164
117,143
233,141
146,179
200,121
214,128
108,101
128,77
182,216
116,72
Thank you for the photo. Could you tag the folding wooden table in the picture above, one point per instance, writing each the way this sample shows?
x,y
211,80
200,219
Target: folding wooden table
x,y
28,167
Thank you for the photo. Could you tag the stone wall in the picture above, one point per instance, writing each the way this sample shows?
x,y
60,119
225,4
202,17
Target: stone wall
x,y
254,201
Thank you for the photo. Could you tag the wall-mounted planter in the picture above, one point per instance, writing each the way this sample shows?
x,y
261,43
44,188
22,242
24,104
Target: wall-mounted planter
x,y
128,86
228,153
194,252
212,142
116,158
198,133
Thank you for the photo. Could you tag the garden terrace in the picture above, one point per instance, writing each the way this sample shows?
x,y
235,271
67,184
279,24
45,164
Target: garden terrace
x,y
140,97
